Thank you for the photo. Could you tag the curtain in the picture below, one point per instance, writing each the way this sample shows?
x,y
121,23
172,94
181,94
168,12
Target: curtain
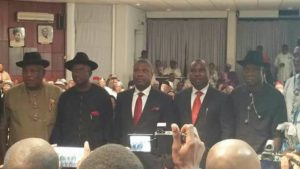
x,y
166,41
184,40
206,38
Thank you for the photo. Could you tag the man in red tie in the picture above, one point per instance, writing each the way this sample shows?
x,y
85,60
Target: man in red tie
x,y
139,110
205,107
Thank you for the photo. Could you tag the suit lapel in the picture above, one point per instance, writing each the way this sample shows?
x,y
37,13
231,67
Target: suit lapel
x,y
187,116
128,107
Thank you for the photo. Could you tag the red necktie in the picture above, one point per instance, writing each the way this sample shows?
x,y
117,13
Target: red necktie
x,y
196,107
138,109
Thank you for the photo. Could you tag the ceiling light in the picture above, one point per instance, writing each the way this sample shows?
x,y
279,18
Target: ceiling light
x,y
138,4
228,9
169,9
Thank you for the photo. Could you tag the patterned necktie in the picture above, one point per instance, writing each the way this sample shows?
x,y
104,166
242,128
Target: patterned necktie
x,y
138,108
196,106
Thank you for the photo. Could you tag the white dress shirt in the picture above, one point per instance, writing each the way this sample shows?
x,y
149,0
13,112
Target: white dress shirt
x,y
194,95
144,98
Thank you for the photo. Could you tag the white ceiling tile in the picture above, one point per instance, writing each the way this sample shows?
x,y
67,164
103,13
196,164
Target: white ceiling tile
x,y
269,4
179,4
224,4
246,4
202,5
154,4
290,4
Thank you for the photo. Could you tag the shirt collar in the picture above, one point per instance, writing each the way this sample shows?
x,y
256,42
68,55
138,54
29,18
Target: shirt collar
x,y
203,90
146,91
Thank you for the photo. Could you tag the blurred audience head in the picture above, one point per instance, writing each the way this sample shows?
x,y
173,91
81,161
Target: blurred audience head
x,y
60,83
111,156
16,81
118,87
172,77
96,80
259,48
1,68
212,66
6,85
284,48
165,87
233,154
31,153
180,86
70,84
173,64
227,67
102,82
158,63
144,54
131,84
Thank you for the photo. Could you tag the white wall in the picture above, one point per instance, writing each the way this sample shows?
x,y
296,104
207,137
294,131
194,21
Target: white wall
x,y
137,31
112,36
70,35
127,49
231,38
93,24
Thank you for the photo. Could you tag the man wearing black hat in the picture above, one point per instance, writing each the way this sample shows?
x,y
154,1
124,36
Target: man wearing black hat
x,y
30,108
258,107
85,110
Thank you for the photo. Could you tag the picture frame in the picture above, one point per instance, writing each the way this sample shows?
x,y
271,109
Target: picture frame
x,y
16,37
45,34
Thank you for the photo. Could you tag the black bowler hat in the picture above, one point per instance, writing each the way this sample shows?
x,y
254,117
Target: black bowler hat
x,y
253,58
81,58
33,58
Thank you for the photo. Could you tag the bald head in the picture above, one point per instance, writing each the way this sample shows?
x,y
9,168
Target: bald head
x,y
112,156
232,154
31,153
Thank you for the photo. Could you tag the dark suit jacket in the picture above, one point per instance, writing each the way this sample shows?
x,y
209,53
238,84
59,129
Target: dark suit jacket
x,y
158,108
215,120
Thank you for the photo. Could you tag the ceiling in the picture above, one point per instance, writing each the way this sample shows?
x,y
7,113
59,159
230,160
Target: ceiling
x,y
188,5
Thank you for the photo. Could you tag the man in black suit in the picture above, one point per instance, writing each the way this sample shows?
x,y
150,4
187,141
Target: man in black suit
x,y
139,110
205,107
85,110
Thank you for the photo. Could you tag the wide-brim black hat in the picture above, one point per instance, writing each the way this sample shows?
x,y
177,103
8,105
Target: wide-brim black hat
x,y
81,58
33,58
253,58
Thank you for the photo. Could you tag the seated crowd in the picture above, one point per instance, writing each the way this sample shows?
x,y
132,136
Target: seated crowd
x,y
216,123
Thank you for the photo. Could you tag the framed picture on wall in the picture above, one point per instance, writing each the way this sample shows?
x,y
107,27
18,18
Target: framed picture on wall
x,y
45,34
16,37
